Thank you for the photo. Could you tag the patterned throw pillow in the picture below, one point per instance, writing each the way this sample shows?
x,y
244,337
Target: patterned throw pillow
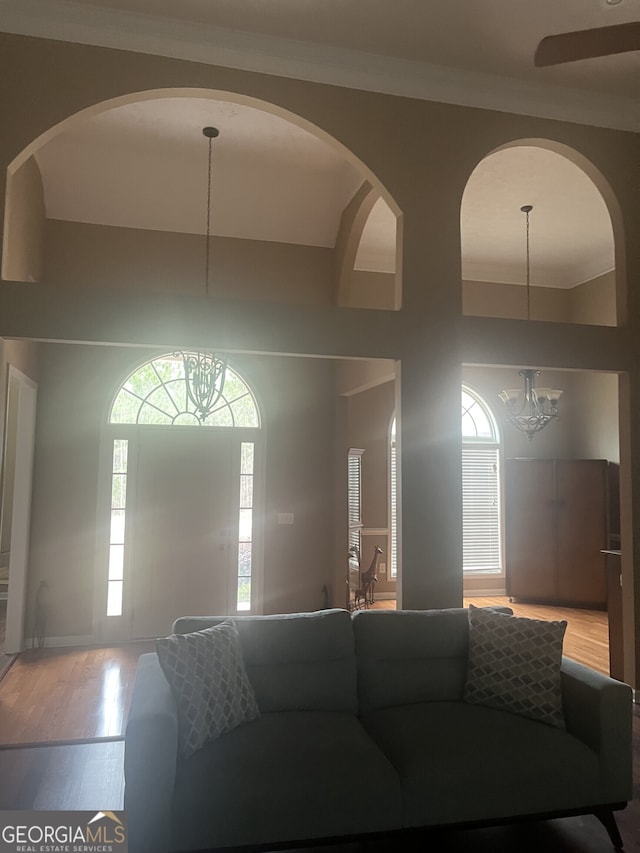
x,y
206,672
514,665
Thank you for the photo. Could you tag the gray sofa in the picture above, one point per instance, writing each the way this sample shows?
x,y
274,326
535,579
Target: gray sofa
x,y
363,730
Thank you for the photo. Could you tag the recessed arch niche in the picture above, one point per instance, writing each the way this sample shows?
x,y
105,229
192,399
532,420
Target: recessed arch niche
x,y
117,193
576,254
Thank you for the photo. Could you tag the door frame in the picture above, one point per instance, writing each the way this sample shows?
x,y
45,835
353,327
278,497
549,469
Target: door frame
x,y
21,400
119,628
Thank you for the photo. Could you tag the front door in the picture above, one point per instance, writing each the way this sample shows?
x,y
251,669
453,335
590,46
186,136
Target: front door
x,y
182,527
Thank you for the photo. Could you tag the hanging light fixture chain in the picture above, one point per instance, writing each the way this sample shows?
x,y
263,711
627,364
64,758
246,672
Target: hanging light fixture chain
x,y
205,372
530,409
210,133
526,209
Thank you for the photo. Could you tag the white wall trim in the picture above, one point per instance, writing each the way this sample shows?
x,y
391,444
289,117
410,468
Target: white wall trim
x,y
65,20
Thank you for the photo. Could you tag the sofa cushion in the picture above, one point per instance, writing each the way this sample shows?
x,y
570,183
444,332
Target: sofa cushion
x,y
286,776
459,762
409,656
297,661
514,665
206,673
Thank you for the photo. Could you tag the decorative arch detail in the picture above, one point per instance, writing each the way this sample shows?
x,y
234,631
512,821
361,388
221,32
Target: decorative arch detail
x,y
155,394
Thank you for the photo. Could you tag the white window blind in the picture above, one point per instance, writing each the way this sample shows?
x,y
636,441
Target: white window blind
x,y
354,493
481,509
393,501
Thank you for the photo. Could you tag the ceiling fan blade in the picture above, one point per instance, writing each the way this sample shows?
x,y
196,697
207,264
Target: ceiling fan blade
x,y
585,44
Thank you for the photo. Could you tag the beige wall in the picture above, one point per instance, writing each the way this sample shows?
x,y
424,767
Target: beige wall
x,y
24,224
424,166
594,301
372,289
100,256
492,299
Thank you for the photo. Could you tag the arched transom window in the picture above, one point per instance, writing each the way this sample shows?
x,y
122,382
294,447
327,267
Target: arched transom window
x,y
155,393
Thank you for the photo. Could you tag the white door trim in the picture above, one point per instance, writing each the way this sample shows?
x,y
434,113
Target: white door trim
x,y
21,404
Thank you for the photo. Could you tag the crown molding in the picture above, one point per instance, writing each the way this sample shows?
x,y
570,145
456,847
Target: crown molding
x,y
559,278
66,20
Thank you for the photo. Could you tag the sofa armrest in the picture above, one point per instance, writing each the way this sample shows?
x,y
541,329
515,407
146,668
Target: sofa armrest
x,y
150,754
598,710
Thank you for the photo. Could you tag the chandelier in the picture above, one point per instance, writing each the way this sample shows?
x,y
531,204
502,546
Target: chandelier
x,y
205,372
530,409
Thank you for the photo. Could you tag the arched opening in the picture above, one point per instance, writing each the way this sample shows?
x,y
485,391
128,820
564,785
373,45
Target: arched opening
x,y
576,254
118,191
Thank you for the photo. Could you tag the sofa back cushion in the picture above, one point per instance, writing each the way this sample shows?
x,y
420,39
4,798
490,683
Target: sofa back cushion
x,y
297,661
409,656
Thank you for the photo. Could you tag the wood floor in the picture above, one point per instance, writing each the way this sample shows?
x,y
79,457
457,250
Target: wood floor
x,y
68,694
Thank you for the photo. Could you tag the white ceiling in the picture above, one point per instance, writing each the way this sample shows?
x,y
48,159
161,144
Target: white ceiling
x,y
144,165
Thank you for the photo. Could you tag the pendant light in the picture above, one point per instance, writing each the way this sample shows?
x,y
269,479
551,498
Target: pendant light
x,y
530,409
205,372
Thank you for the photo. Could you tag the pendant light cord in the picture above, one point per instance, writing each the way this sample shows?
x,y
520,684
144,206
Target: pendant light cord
x,y
526,209
211,133
207,254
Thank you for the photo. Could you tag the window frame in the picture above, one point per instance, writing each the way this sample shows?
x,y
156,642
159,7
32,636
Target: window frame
x,y
492,443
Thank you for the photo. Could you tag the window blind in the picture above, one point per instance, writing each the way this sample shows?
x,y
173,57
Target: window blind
x,y
354,496
482,545
393,500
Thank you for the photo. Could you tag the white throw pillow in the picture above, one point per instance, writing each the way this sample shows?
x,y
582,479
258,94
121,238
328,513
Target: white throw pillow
x,y
207,675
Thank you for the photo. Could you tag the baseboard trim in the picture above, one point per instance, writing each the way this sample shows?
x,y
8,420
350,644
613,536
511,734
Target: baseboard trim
x,y
56,642
483,593
384,596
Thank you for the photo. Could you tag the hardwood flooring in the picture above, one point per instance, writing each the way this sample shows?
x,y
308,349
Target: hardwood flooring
x,y
68,694
60,777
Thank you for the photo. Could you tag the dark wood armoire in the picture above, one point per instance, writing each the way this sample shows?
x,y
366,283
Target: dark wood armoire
x,y
555,530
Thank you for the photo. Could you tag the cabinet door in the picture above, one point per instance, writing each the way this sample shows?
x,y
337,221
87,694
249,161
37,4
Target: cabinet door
x,y
530,530
581,491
